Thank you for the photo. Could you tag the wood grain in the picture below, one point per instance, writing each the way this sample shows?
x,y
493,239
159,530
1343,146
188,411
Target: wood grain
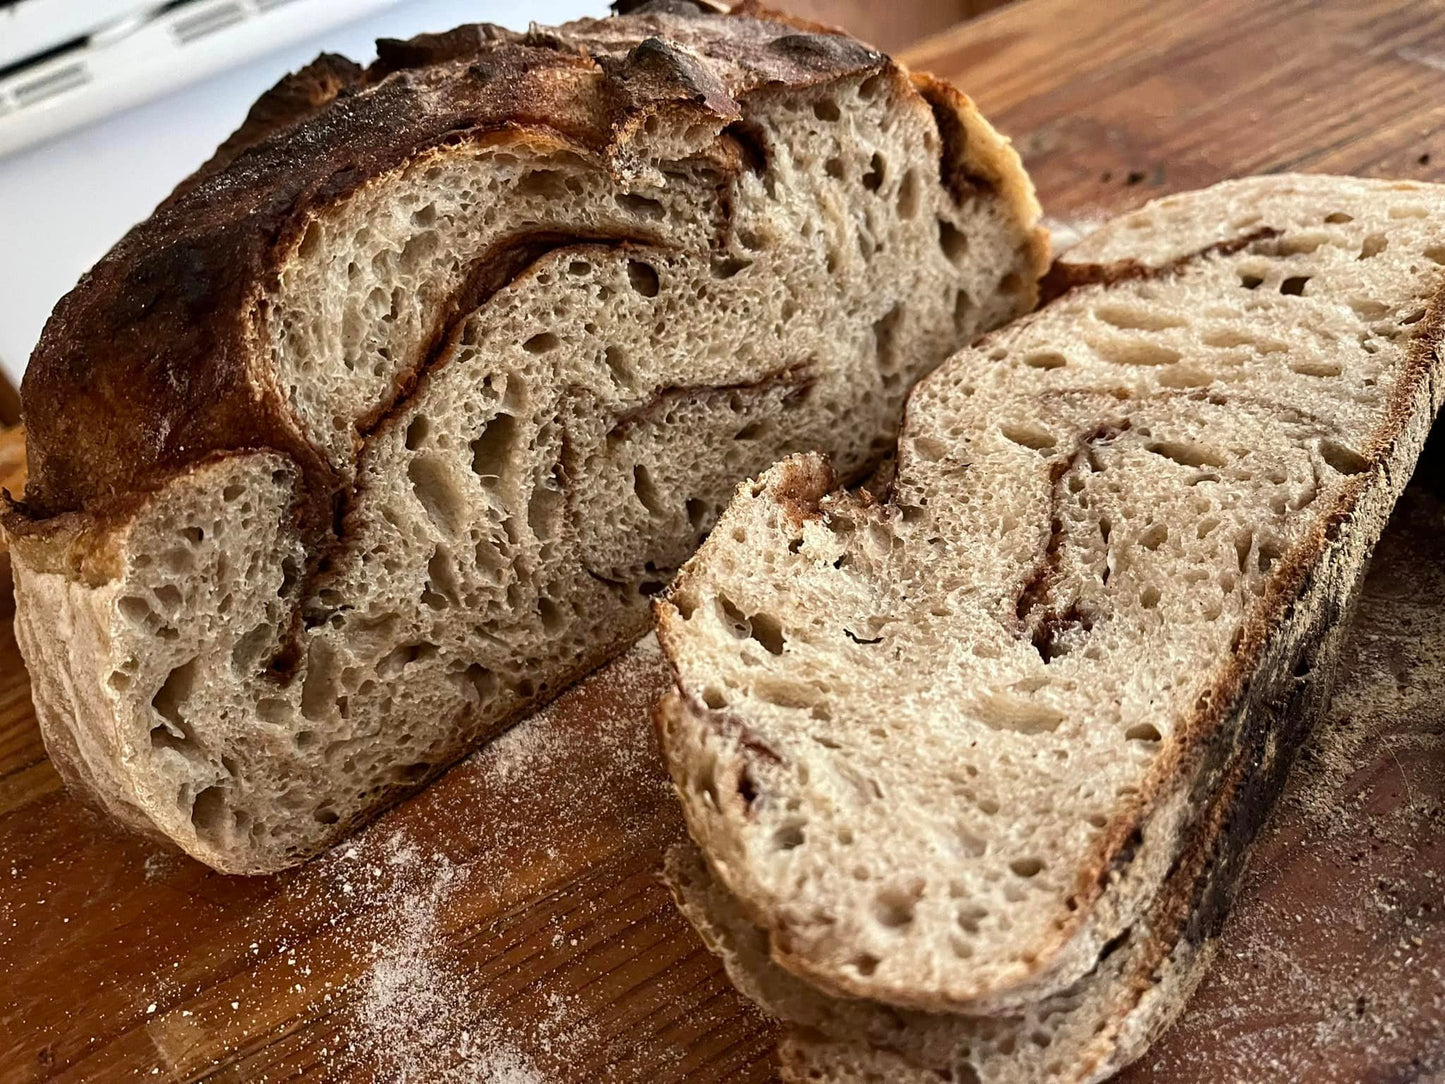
x,y
507,924
889,26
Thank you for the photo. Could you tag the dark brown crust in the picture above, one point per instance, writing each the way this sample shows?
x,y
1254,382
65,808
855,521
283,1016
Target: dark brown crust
x,y
962,178
299,95
154,362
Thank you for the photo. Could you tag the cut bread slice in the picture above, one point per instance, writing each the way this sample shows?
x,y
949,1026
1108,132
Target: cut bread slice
x,y
1106,1019
945,746
387,424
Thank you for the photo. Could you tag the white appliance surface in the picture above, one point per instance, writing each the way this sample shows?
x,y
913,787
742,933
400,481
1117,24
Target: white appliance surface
x,y
63,203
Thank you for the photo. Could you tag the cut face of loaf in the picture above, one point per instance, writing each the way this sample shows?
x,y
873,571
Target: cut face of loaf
x,y
945,746
1108,1017
417,393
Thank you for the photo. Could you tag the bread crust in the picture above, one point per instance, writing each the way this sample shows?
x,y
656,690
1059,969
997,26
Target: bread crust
x,y
1307,597
155,361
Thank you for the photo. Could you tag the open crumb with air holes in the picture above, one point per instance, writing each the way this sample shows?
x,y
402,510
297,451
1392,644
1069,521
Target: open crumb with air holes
x,y
388,423
946,747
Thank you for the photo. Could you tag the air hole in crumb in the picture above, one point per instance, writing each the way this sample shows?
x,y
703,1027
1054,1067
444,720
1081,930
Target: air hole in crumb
x,y
1048,359
963,307
642,206
208,814
713,697
643,278
908,195
729,267
789,837
1187,454
1026,867
1132,318
877,173
541,343
747,790
646,490
1145,732
417,432
697,514
969,918
1373,245
893,908
1269,553
866,964
1141,352
492,449
133,609
616,359
1250,282
826,109
1306,367
436,491
1001,710
1342,459
734,616
1294,285
326,815
767,631
173,693
169,736
952,241
1029,436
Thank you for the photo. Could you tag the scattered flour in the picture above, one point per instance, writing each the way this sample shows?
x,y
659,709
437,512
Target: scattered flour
x,y
416,1012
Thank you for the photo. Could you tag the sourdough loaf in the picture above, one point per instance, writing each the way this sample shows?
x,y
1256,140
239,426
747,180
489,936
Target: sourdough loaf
x,y
389,421
945,747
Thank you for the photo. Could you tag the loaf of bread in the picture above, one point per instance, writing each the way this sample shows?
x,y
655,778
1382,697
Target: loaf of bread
x,y
388,423
948,746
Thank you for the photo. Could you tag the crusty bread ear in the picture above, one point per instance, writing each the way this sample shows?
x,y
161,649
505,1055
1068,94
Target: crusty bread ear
x,y
945,747
386,426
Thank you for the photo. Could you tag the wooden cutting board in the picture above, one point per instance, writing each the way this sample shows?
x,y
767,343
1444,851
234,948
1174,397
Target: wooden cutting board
x,y
507,925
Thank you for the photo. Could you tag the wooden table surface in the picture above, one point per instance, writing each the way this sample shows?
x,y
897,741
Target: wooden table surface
x,y
507,925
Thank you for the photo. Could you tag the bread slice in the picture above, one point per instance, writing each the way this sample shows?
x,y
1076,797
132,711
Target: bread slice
x,y
1084,1033
945,747
387,424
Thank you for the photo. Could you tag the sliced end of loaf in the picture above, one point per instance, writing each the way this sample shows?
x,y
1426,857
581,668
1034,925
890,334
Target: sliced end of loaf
x,y
453,417
945,746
